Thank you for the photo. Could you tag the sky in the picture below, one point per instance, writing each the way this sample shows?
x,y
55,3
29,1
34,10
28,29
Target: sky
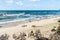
x,y
29,4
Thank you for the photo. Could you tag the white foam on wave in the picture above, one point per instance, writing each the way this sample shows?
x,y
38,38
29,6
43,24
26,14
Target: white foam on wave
x,y
19,20
2,17
14,14
15,20
52,16
27,15
32,17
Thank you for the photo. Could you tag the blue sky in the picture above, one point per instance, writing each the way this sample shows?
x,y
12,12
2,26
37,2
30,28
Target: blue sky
x,y
29,4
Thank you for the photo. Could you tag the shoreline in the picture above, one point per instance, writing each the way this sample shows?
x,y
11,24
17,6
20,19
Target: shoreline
x,y
16,23
28,19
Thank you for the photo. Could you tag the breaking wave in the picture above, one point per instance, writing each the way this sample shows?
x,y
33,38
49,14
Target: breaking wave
x,y
7,17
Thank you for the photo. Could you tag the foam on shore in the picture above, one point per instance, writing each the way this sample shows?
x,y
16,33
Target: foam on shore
x,y
32,18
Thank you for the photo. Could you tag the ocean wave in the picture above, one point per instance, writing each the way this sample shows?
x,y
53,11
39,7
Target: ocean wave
x,y
14,14
32,17
27,15
15,20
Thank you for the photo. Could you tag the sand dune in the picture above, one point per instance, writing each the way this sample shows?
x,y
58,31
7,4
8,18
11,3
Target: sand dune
x,y
44,26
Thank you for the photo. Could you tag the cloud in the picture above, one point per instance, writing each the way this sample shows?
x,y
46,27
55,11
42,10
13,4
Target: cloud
x,y
34,0
19,3
9,1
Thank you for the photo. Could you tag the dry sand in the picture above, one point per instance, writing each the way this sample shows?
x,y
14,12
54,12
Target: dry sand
x,y
44,26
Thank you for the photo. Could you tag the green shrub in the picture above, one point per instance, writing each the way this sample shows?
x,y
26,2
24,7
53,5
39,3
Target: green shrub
x,y
59,21
53,30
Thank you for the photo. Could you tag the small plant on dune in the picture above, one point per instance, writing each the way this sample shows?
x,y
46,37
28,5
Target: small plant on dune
x,y
54,28
58,29
59,21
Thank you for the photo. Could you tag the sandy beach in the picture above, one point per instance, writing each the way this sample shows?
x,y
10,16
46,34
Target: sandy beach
x,y
44,26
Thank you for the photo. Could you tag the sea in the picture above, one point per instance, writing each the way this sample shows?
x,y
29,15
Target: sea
x,y
7,16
